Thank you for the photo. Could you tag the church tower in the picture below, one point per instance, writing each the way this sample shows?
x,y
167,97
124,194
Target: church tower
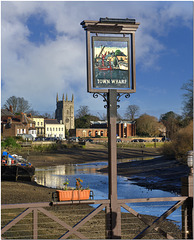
x,y
65,112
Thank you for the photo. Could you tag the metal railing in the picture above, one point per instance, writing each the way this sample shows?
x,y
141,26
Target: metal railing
x,y
89,219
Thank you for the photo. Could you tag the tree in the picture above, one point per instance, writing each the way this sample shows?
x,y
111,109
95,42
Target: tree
x,y
84,121
188,99
132,112
172,122
82,111
147,126
18,104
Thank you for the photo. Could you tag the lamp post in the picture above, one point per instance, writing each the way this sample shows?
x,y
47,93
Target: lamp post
x,y
190,161
187,208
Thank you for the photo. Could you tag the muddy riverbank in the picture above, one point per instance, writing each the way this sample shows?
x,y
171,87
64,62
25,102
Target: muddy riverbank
x,y
158,173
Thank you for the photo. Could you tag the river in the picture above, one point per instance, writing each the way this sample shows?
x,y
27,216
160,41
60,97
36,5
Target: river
x,y
54,177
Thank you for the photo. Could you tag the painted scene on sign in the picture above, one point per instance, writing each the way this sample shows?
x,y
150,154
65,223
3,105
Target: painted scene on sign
x,y
110,62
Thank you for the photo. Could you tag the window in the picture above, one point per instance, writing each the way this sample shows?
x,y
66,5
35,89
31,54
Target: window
x,y
59,129
41,123
18,131
21,131
53,129
24,130
38,123
50,129
101,133
47,129
56,129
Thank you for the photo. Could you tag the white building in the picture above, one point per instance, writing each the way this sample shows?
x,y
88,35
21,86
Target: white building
x,y
54,129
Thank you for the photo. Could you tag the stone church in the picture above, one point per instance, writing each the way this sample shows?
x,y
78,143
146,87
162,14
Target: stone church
x,y
65,112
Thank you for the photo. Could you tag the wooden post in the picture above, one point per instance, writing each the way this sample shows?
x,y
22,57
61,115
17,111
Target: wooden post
x,y
115,214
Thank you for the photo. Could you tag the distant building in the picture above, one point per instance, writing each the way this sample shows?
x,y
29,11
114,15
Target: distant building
x,y
54,129
16,125
124,129
39,125
65,112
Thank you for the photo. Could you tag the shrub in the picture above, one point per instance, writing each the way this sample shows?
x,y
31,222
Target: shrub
x,y
10,142
182,143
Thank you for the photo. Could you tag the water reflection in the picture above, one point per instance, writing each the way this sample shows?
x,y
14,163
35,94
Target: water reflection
x,y
98,182
54,177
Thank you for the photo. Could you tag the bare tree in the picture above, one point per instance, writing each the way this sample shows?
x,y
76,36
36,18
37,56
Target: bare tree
x,y
82,111
188,99
132,112
18,104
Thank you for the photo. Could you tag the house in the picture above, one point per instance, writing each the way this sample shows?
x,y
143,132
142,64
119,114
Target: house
x,y
16,125
39,125
54,129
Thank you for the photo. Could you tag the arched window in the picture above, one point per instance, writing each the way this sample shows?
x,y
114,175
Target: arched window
x,y
101,133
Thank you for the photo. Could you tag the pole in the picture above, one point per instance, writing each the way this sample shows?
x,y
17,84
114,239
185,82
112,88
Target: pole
x,y
115,213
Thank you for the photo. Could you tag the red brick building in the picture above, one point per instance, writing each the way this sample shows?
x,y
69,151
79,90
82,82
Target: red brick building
x,y
100,128
14,125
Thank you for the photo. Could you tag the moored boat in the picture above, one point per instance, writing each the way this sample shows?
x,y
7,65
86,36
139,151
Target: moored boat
x,y
14,167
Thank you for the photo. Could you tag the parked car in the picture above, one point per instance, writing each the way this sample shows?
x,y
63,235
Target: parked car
x,y
135,140
165,139
89,140
52,139
119,140
141,140
39,139
155,140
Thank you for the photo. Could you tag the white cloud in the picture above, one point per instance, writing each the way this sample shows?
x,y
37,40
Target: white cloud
x,y
37,73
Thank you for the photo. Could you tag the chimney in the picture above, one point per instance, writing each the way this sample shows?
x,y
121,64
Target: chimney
x,y
11,108
9,120
22,117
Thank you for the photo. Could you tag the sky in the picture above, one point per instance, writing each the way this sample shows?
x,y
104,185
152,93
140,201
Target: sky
x,y
43,52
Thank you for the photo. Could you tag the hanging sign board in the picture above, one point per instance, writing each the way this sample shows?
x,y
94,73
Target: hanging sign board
x,y
110,62
110,58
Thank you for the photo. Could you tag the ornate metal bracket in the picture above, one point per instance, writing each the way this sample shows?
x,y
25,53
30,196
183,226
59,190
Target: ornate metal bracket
x,y
119,95
105,96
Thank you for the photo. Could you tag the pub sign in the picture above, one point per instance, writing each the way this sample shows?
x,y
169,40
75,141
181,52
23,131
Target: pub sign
x,y
110,62
110,45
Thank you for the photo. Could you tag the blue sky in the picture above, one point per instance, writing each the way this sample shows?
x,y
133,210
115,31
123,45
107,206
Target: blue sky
x,y
43,52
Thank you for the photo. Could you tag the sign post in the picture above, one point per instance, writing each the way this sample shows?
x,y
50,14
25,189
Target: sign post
x,y
110,73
